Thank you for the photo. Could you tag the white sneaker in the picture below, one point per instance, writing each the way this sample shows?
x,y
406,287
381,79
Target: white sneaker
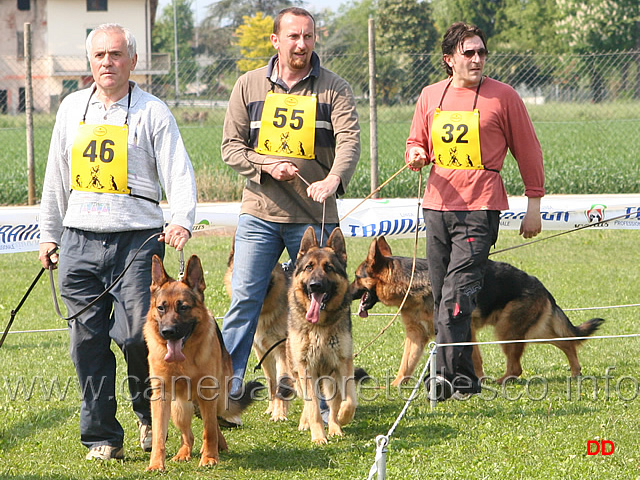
x,y
145,436
105,452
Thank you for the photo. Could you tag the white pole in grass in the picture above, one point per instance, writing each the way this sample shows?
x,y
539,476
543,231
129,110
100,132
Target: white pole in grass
x,y
380,464
381,458
432,374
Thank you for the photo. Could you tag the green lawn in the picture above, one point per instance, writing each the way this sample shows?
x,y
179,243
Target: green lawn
x,y
588,148
535,428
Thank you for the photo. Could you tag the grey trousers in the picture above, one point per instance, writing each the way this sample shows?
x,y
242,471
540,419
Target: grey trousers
x,y
89,263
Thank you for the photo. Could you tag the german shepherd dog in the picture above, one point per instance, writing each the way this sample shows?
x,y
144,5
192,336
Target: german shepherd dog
x,y
515,303
187,361
319,344
270,333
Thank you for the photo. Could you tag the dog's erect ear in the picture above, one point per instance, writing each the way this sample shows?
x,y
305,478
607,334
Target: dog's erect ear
x,y
384,247
158,274
193,275
336,243
376,259
308,241
373,250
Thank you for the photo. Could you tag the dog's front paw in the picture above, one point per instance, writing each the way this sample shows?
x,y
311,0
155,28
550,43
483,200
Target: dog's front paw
x,y
183,455
319,440
206,461
155,467
335,430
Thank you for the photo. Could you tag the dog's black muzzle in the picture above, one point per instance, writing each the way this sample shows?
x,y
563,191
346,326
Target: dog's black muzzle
x,y
176,331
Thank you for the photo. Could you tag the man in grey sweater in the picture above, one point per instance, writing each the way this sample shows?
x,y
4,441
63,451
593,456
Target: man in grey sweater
x,y
114,148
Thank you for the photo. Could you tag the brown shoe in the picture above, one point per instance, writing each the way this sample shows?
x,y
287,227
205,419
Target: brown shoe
x,y
105,452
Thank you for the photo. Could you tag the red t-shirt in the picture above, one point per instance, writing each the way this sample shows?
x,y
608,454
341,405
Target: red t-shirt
x,y
504,124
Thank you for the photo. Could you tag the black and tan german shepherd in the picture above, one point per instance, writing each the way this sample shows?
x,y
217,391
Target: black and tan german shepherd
x,y
319,344
516,304
268,341
188,364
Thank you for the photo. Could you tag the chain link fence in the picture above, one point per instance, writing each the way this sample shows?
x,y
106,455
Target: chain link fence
x,y
586,110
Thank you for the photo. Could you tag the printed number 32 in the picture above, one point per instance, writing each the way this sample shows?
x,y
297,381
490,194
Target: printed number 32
x,y
280,118
106,152
448,136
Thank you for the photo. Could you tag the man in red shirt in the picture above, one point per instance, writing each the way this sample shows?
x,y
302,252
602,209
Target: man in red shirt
x,y
463,126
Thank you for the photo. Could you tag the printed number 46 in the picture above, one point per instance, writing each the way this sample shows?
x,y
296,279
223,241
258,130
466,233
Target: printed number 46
x,y
106,152
280,118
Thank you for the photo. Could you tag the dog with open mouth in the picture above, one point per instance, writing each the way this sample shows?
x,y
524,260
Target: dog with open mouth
x,y
320,344
187,363
515,303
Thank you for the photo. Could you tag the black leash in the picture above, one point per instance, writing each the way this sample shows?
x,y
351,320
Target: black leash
x,y
257,367
589,225
17,309
108,289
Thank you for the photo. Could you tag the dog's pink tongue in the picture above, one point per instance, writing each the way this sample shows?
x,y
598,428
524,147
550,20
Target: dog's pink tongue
x,y
362,312
313,314
174,351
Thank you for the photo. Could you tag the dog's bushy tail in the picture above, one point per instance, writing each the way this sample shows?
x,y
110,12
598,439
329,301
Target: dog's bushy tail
x,y
238,402
565,328
587,328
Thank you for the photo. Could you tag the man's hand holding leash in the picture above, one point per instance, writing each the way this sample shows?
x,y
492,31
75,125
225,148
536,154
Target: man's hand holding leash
x,y
48,256
417,158
281,171
320,191
175,236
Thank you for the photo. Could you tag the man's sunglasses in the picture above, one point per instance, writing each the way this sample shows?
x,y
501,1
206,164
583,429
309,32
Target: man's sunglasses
x,y
469,54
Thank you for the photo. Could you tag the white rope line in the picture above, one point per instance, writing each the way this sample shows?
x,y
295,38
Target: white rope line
x,y
537,340
391,314
383,440
41,331
577,309
601,308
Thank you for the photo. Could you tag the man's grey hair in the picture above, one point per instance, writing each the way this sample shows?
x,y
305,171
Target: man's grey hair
x,y
110,27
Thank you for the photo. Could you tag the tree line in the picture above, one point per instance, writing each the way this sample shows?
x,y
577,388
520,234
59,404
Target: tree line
x,y
407,32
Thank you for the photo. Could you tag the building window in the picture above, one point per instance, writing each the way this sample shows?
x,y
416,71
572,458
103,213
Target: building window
x,y
24,5
68,86
20,45
96,5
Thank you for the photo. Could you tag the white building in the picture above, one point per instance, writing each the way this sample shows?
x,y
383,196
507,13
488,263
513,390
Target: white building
x,y
58,32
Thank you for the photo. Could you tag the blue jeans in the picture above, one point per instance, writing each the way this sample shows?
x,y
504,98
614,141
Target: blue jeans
x,y
258,246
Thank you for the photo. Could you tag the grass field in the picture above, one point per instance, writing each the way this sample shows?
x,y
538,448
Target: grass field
x,y
588,148
537,427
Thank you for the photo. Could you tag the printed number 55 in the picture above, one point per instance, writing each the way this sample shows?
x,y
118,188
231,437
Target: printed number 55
x,y
280,118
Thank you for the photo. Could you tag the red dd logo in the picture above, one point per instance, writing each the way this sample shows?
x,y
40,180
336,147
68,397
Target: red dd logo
x,y
605,447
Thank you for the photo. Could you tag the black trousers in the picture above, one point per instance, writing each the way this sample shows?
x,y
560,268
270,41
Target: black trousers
x,y
89,263
458,245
